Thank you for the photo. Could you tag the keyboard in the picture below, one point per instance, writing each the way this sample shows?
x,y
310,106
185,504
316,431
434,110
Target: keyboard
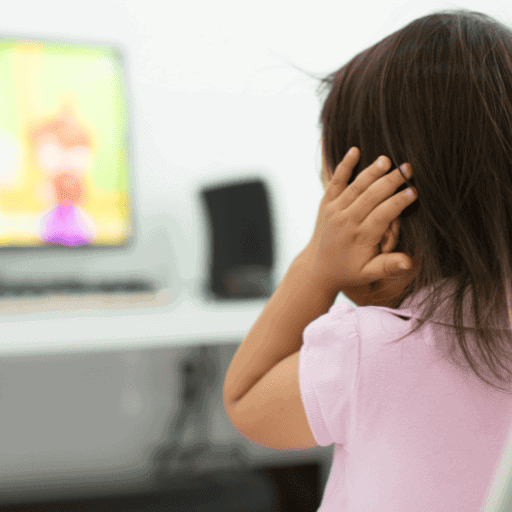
x,y
25,298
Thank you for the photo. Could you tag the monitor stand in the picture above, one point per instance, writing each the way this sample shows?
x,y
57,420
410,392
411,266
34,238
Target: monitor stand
x,y
197,456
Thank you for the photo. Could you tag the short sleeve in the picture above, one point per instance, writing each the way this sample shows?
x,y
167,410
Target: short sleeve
x,y
328,364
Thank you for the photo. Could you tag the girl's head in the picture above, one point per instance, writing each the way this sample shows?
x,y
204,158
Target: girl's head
x,y
438,94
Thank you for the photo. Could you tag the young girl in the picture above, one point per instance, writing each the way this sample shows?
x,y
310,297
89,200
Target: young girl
x,y
414,427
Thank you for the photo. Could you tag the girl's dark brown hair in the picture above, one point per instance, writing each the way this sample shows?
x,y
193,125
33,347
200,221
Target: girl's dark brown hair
x,y
438,94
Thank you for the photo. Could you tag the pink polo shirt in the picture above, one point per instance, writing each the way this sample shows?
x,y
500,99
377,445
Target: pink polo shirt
x,y
412,431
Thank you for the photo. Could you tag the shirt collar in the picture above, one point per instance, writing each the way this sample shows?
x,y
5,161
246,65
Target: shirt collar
x,y
411,306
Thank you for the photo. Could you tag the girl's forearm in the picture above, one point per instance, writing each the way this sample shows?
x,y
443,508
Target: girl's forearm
x,y
277,333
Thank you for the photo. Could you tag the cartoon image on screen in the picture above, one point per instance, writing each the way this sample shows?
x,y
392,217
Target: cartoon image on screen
x,y
63,152
64,169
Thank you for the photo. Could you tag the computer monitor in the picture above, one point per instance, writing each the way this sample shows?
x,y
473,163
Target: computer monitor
x,y
69,209
64,173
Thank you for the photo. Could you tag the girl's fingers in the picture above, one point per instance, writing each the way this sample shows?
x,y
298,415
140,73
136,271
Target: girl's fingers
x,y
390,238
364,180
395,228
339,181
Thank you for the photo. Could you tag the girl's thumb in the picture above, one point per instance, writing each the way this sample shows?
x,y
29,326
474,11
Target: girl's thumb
x,y
403,265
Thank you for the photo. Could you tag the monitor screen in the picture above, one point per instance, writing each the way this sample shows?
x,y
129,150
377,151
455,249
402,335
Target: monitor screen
x,y
64,170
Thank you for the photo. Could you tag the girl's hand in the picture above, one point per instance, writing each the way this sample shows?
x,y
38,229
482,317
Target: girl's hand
x,y
352,221
387,292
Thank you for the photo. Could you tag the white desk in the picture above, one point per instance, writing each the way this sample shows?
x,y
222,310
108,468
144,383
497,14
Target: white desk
x,y
184,320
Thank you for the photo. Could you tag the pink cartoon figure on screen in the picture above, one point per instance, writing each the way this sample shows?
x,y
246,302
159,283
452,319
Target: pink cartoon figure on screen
x,y
63,153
